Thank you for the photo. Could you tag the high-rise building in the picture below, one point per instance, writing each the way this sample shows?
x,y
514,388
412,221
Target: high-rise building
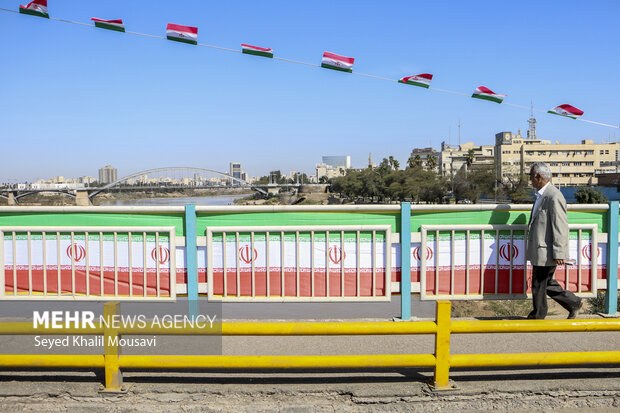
x,y
236,172
338,161
108,174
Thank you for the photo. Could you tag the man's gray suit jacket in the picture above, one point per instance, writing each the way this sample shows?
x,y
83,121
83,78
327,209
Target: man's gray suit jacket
x,y
548,229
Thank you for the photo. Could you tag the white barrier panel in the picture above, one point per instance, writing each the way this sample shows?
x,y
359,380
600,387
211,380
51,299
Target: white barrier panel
x,y
92,263
488,261
336,263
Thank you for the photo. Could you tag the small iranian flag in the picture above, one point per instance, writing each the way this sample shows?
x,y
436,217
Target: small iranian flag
x,y
566,110
485,93
337,62
185,34
109,24
257,51
422,80
35,8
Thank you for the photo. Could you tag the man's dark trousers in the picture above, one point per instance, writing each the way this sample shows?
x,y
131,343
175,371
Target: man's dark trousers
x,y
543,284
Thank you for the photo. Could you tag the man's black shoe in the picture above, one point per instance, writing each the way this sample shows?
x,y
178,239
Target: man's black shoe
x,y
573,313
531,316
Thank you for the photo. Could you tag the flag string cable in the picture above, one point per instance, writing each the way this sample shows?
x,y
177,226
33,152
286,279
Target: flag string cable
x,y
315,65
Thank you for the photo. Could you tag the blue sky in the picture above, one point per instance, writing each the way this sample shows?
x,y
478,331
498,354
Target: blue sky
x,y
76,98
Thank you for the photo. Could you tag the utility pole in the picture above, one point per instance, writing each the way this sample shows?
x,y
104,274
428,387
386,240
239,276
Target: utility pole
x,y
459,133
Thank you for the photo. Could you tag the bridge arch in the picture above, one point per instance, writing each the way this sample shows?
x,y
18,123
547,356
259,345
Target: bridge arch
x,y
175,168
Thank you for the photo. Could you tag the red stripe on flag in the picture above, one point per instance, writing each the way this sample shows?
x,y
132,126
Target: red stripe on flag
x,y
39,2
118,21
263,49
484,89
572,109
335,56
179,28
425,76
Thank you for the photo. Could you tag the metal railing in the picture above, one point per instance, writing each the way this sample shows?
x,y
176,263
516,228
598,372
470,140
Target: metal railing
x,y
504,243
441,360
87,263
302,256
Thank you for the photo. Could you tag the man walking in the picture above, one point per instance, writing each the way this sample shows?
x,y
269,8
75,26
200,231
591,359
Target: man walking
x,y
547,244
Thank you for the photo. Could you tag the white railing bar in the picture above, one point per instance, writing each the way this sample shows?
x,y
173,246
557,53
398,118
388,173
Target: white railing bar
x,y
422,253
282,228
116,264
437,263
482,263
87,258
312,253
297,290
237,258
342,263
44,261
282,263
497,241
467,242
73,249
157,258
267,263
357,264
224,266
68,229
512,243
374,263
253,274
579,262
29,263
327,263
130,265
452,262
144,263
101,268
15,264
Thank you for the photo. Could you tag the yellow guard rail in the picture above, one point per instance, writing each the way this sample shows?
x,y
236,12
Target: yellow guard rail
x,y
113,362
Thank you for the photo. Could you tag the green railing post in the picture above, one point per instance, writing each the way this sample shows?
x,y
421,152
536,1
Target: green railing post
x,y
611,295
192,260
405,261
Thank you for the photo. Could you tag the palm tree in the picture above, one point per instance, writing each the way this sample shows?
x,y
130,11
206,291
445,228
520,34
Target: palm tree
x,y
470,158
431,162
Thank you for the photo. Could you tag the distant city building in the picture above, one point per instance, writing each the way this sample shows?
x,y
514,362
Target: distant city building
x,y
571,164
337,161
236,172
424,154
107,175
453,157
333,166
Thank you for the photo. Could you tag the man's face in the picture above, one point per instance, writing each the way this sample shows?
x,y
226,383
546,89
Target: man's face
x,y
536,179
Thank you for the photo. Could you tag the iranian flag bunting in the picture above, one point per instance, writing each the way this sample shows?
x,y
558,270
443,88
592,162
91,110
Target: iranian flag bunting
x,y
185,34
337,62
35,8
257,51
109,24
566,110
485,93
422,80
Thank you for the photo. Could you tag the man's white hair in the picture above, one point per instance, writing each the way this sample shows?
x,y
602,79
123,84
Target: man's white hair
x,y
542,169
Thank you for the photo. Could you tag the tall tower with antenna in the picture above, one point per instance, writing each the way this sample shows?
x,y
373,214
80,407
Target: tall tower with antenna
x,y
531,131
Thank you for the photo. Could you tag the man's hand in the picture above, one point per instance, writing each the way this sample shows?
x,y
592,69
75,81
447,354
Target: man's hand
x,y
559,262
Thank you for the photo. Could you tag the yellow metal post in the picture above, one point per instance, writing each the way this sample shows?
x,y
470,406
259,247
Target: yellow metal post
x,y
442,346
113,375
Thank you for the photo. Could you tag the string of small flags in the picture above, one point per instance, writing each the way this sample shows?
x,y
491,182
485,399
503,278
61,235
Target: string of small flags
x,y
333,61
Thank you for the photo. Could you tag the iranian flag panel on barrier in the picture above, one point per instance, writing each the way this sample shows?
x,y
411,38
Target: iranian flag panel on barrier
x,y
248,254
75,256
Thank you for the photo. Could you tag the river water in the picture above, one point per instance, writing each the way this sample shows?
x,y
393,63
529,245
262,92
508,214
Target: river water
x,y
205,200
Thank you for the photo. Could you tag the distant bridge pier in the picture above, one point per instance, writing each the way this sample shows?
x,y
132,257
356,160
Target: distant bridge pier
x,y
11,201
82,198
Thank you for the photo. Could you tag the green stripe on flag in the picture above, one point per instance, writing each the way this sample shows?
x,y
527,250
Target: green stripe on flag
x,y
257,53
177,39
34,13
108,26
424,85
340,69
489,98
